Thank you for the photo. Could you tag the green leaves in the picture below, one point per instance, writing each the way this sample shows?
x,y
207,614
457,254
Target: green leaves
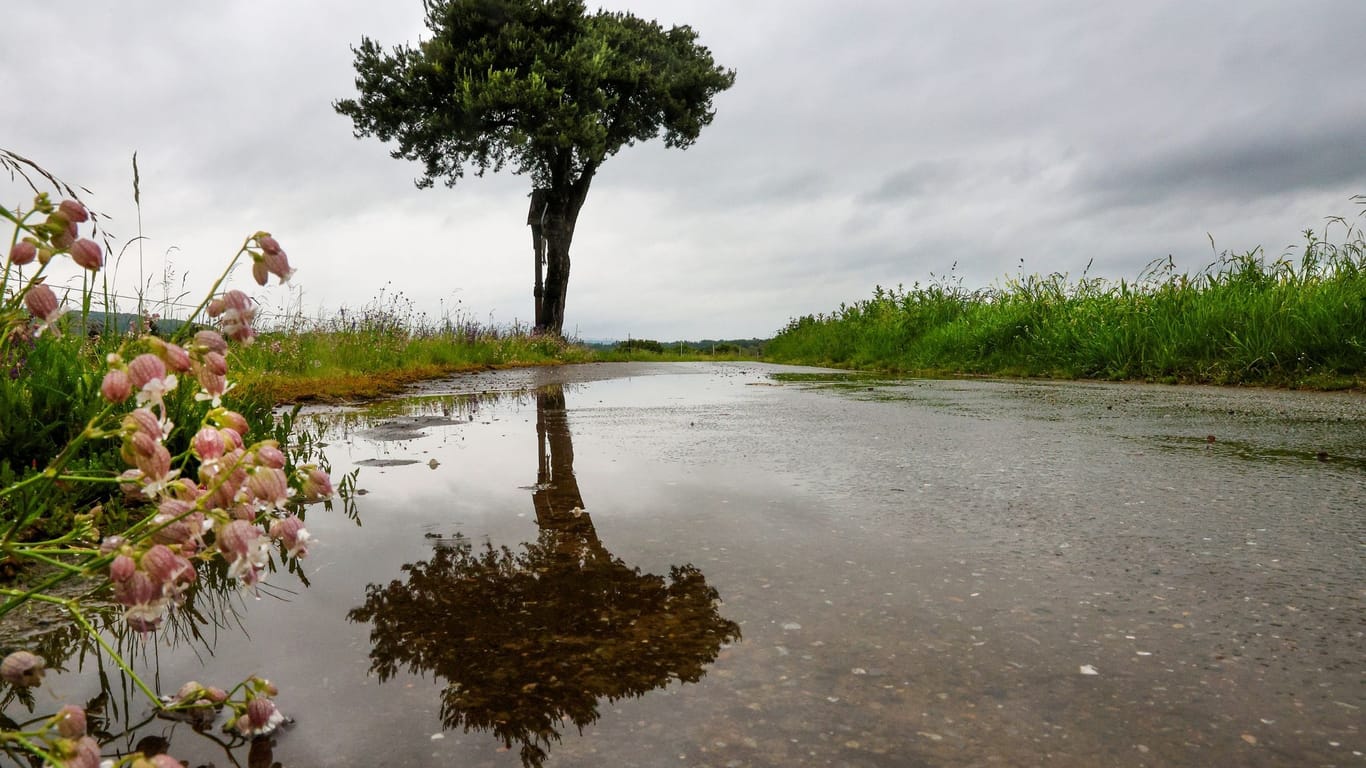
x,y
540,85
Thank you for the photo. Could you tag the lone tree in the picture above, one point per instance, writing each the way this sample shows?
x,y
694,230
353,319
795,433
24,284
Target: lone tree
x,y
541,86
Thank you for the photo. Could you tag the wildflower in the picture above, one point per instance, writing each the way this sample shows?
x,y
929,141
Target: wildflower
x,y
212,386
232,439
23,252
122,569
148,374
215,363
73,211
223,478
42,304
222,417
211,341
269,487
291,532
235,312
143,599
208,444
315,484
268,244
167,569
155,462
83,753
70,721
130,482
143,420
268,454
271,261
22,669
175,356
87,253
64,233
243,545
261,718
116,386
179,525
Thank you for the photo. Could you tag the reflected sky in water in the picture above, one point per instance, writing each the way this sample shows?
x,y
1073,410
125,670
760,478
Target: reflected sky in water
x,y
919,572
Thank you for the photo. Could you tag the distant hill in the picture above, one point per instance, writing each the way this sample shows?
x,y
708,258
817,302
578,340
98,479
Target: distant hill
x,y
121,322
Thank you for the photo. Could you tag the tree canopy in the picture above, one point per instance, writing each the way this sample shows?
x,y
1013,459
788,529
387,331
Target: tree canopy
x,y
541,87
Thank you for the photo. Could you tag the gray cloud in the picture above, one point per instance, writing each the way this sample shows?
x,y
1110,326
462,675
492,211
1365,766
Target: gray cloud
x,y
1236,165
874,141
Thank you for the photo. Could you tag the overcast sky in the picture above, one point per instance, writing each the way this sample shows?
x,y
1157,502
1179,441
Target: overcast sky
x,y
864,142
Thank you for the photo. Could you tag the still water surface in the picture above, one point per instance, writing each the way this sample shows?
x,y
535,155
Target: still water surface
x,y
702,565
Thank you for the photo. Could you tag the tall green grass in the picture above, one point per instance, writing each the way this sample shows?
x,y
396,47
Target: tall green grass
x,y
364,351
1298,320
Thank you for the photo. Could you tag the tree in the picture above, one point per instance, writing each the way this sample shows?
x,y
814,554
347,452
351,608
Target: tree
x,y
542,87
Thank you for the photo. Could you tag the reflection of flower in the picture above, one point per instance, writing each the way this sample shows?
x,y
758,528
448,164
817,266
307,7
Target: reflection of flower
x,y
22,669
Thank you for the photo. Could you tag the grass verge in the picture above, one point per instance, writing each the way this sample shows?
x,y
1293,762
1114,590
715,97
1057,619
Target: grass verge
x,y
1242,320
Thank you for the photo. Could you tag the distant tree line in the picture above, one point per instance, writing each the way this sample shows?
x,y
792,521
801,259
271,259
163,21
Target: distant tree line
x,y
752,347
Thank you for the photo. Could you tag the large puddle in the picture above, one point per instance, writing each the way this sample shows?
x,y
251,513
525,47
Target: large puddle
x,y
702,565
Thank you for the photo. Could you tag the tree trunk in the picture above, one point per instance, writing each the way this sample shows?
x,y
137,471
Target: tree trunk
x,y
563,203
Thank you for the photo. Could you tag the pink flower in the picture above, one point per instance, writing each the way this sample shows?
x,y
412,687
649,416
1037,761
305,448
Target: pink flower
x,y
146,368
148,374
269,486
215,364
71,721
232,439
143,599
144,421
167,569
277,264
123,568
116,386
65,232
315,484
235,312
155,463
290,530
261,717
85,753
211,341
232,420
223,478
180,525
23,252
212,386
73,212
87,253
176,357
22,669
268,454
208,444
246,550
42,304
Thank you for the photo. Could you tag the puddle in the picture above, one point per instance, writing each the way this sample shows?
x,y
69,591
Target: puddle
x,y
666,565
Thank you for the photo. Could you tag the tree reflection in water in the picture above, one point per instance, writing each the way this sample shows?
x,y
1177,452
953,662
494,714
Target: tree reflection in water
x,y
525,640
